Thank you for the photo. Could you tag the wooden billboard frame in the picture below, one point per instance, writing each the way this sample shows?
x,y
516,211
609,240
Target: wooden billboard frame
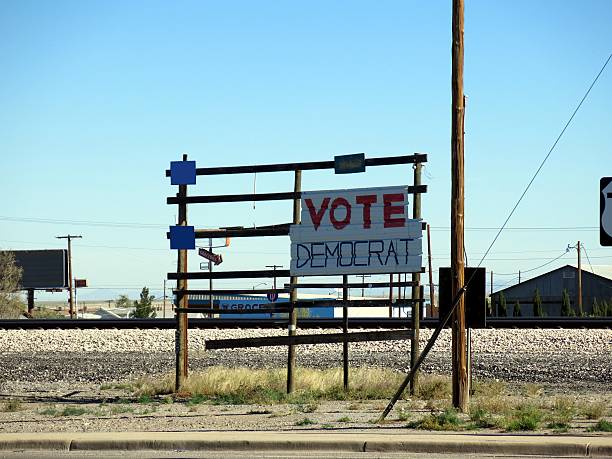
x,y
182,292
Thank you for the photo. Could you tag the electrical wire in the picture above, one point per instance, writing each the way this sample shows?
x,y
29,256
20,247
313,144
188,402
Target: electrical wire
x,y
588,259
537,172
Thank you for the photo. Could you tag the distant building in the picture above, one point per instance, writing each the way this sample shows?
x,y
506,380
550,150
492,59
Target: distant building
x,y
551,287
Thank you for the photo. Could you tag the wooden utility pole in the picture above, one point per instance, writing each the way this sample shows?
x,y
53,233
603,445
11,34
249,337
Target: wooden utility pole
x,y
183,302
416,290
70,237
432,292
579,293
459,363
293,295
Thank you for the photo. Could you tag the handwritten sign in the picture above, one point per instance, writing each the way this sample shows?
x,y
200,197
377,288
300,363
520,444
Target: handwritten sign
x,y
356,231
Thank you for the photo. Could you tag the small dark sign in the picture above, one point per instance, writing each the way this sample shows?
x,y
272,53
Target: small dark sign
x,y
475,302
80,283
349,164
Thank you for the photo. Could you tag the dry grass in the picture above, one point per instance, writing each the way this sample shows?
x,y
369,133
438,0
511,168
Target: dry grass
x,y
592,409
245,385
490,387
434,387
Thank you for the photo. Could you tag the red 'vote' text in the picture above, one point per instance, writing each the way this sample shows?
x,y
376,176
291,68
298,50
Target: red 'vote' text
x,y
393,212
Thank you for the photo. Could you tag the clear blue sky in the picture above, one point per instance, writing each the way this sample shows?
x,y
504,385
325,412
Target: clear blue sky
x,y
96,98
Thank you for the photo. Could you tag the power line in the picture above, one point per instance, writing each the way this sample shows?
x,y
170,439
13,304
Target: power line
x,y
587,255
544,161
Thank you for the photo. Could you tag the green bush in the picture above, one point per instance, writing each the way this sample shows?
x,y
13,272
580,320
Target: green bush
x,y
537,304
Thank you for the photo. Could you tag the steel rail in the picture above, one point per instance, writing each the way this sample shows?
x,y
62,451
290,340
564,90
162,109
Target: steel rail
x,y
309,323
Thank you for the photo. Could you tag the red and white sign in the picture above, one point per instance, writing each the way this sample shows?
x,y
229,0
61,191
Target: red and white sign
x,y
216,259
356,231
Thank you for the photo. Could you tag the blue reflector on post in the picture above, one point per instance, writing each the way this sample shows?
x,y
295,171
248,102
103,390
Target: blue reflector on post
x,y
349,164
182,172
182,237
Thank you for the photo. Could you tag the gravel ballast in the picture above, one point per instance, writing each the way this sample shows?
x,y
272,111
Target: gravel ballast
x,y
41,357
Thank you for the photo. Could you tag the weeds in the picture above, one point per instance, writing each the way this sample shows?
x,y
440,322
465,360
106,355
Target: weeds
x,y
481,419
344,419
490,387
532,390
593,410
601,426
12,405
305,422
525,417
447,420
434,388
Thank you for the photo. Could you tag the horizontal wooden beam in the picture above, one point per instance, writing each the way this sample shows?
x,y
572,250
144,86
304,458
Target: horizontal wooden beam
x,y
242,291
281,229
309,339
196,310
350,285
312,165
269,273
256,197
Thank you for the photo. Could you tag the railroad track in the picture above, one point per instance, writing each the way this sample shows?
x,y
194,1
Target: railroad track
x,y
325,323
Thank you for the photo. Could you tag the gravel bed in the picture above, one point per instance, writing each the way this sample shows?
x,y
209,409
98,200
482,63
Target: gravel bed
x,y
39,359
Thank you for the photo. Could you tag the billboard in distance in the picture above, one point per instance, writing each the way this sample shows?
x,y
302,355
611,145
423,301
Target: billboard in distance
x,y
43,269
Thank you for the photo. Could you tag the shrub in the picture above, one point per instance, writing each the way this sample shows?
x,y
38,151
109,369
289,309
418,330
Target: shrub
x,y
566,306
525,417
502,310
537,304
601,426
516,312
447,420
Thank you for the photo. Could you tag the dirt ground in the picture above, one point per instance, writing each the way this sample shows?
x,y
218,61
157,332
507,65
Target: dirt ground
x,y
95,408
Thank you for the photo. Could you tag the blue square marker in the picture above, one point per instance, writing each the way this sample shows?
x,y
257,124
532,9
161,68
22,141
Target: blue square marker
x,y
182,237
182,172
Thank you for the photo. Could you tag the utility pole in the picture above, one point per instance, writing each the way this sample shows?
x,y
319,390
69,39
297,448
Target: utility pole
x,y
293,295
363,276
459,363
345,344
70,237
274,269
579,293
519,276
416,289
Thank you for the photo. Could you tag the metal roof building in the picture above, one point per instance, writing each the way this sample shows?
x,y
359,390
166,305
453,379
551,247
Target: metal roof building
x,y
551,286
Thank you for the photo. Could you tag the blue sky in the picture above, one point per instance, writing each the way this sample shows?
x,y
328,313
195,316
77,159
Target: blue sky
x,y
96,98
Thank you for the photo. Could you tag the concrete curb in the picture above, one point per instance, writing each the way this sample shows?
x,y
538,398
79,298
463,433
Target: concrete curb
x,y
349,442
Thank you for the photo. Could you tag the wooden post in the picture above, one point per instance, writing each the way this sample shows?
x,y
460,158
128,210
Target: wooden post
x,y
580,311
416,290
345,344
293,296
180,340
390,295
459,364
30,301
432,291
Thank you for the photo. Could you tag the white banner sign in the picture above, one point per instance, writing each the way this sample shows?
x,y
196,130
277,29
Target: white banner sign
x,y
358,231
